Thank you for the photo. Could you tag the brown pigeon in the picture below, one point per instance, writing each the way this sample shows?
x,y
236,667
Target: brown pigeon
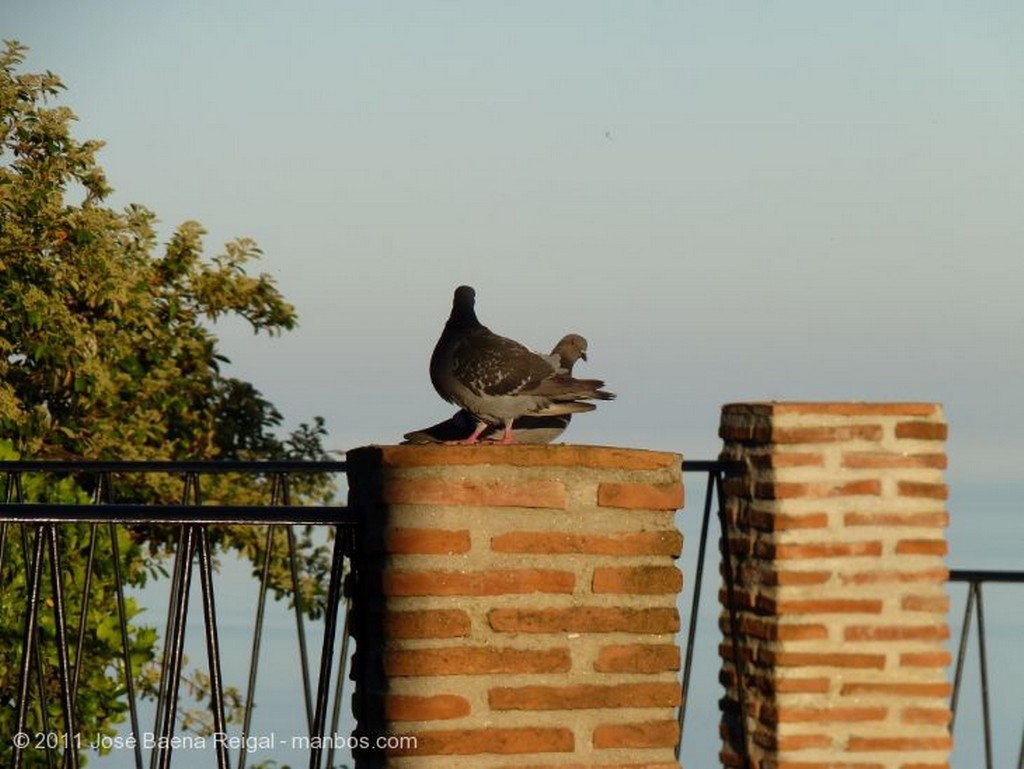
x,y
497,379
528,429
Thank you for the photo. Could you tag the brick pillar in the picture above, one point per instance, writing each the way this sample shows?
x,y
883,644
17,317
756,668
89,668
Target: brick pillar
x,y
516,605
836,530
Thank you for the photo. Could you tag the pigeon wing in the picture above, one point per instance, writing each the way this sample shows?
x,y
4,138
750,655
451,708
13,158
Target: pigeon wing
x,y
489,364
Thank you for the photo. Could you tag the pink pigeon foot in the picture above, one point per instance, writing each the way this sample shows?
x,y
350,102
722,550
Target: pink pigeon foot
x,y
472,439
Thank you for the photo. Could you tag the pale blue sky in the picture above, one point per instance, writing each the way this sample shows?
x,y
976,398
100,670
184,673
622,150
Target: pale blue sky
x,y
731,201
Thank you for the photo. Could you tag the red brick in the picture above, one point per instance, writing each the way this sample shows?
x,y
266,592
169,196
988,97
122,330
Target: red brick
x,y
820,550
508,741
641,496
427,623
637,580
784,490
585,696
856,408
764,520
742,547
922,431
740,487
940,716
775,460
838,434
793,577
474,660
936,574
918,520
772,740
437,707
776,631
646,734
786,764
624,543
896,632
822,605
922,490
637,658
524,455
884,459
898,689
877,744
428,541
922,547
821,659
742,599
792,685
771,716
476,493
588,765
584,619
400,582
740,429
926,659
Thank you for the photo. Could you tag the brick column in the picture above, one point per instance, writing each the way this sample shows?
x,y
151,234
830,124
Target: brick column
x,y
836,530
517,605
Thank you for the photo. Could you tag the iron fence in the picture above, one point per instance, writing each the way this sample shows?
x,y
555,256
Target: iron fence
x,y
35,528
974,609
39,526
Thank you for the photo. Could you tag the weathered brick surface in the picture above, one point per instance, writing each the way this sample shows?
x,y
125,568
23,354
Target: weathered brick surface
x,y
836,540
585,696
638,658
637,580
899,689
483,493
624,543
428,541
434,707
475,741
645,734
523,456
917,744
475,660
602,765
641,496
585,619
438,582
772,715
517,605
428,623
939,659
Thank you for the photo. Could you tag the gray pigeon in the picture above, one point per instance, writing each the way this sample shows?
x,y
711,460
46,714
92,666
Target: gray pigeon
x,y
569,349
496,379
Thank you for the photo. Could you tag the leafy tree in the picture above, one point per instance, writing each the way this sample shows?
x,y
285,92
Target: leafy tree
x,y
106,352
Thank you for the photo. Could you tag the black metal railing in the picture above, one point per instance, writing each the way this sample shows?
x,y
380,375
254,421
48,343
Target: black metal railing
x,y
37,527
715,472
974,609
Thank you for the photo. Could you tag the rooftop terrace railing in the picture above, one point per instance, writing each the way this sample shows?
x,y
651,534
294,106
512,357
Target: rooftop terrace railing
x,y
974,609
35,528
41,542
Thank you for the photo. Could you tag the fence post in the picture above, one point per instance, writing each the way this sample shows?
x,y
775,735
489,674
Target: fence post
x,y
516,606
838,614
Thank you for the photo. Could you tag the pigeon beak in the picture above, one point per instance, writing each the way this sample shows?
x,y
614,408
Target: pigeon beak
x,y
583,355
